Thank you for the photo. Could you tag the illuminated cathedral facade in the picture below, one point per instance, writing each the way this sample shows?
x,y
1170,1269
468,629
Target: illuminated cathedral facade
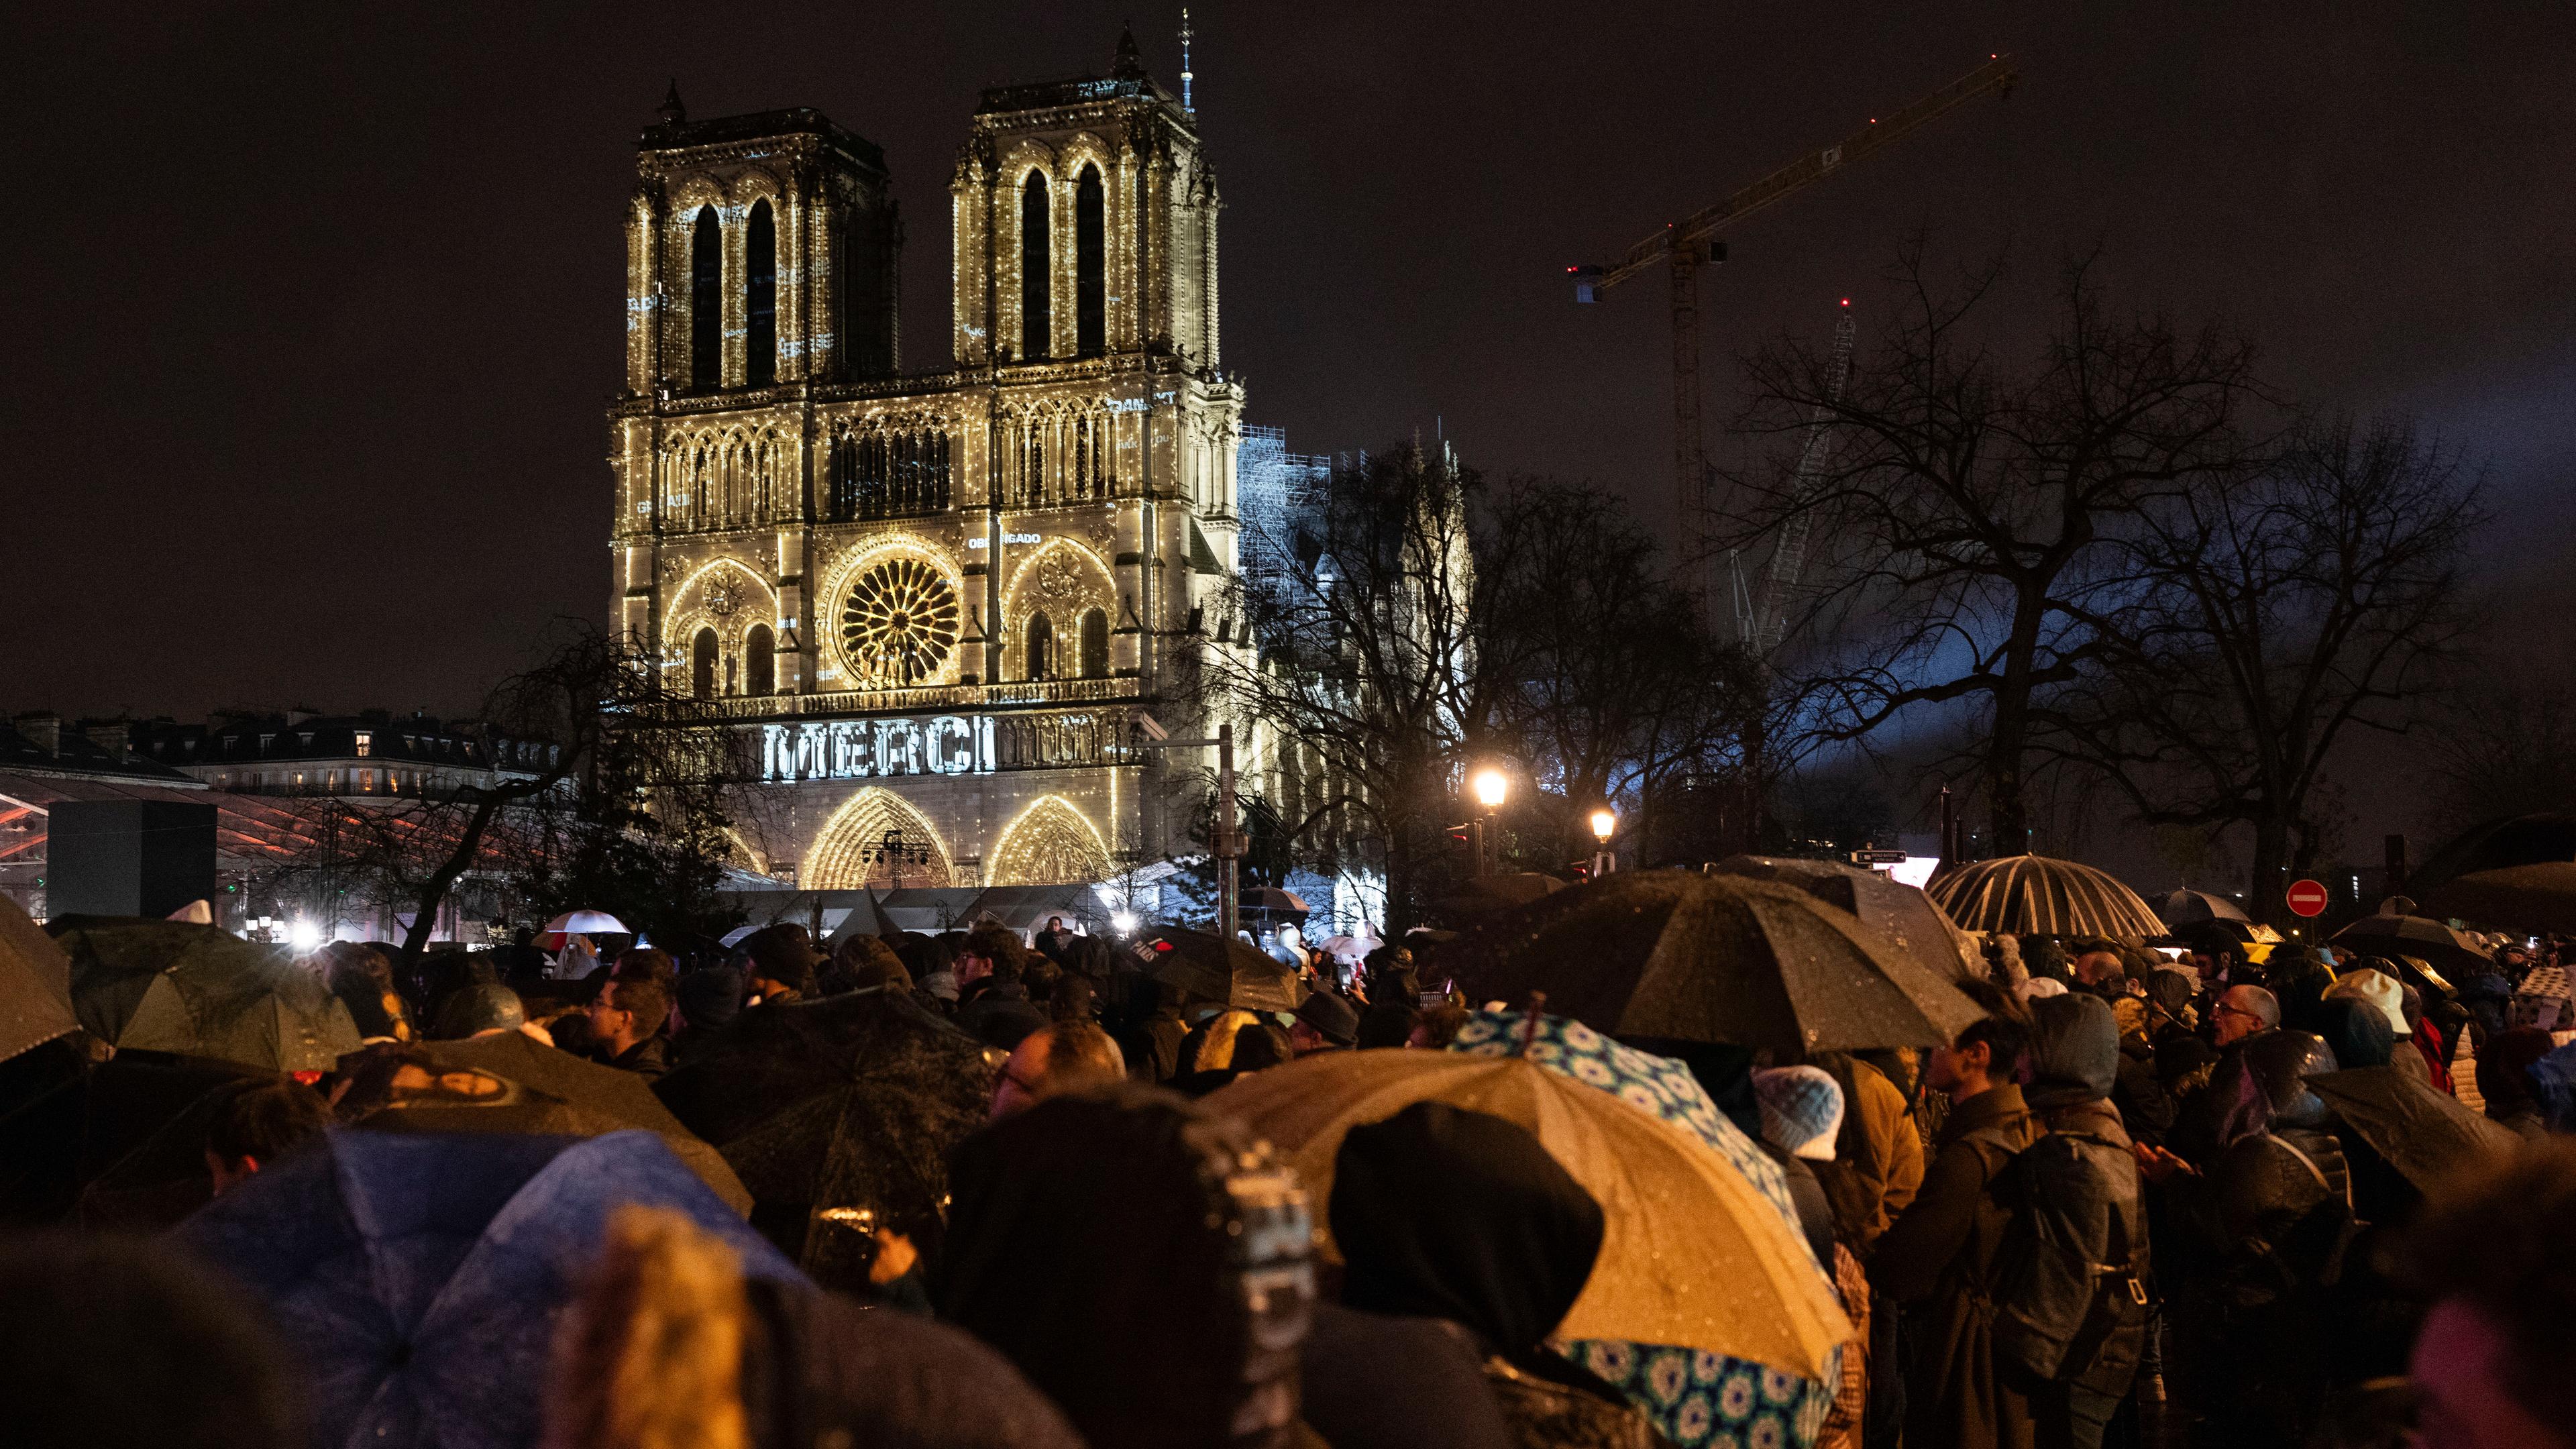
x,y
931,604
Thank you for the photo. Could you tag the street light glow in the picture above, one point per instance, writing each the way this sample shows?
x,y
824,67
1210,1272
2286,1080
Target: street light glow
x,y
304,935
1490,786
1605,823
1123,922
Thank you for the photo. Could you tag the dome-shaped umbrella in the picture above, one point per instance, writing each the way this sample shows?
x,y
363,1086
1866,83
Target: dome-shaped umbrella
x,y
2190,908
2033,895
2498,844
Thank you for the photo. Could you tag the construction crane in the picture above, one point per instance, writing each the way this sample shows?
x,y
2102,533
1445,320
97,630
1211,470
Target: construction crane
x,y
1685,246
1759,623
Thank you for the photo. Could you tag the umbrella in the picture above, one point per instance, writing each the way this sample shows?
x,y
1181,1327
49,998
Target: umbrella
x,y
1490,893
1349,948
2536,897
1272,901
171,986
2032,895
136,1153
2188,907
35,984
2498,844
735,936
586,923
1648,1373
1900,912
2411,936
545,1091
1691,1252
1214,969
1710,958
417,1281
838,1115
2425,1134
2223,934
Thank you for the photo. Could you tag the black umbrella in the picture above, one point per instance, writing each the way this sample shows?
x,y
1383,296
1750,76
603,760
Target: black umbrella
x,y
2412,936
556,1094
1904,915
2497,845
1488,894
2189,907
35,984
170,986
1214,969
1709,958
838,1115
2425,1134
142,1156
2536,897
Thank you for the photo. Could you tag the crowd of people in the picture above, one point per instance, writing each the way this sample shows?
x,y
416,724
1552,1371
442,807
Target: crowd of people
x,y
2147,1197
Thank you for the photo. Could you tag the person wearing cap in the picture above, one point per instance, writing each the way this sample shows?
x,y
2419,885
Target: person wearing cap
x,y
1325,1023
2377,990
1802,1109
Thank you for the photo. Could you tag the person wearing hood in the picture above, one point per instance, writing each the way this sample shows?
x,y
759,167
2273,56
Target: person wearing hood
x,y
1462,1217
2269,1225
2074,1062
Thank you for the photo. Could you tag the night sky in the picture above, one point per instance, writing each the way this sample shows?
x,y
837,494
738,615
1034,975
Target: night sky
x,y
311,311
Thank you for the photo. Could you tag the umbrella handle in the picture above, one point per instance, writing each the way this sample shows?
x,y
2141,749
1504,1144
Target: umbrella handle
x,y
1529,1023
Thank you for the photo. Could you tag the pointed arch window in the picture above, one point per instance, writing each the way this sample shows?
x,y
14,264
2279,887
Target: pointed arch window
x,y
1090,265
706,301
702,665
1095,644
1041,660
1036,309
760,298
760,661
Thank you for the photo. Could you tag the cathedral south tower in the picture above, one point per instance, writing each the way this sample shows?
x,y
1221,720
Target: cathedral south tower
x,y
932,603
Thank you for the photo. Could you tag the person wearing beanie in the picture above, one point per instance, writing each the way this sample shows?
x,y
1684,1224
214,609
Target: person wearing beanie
x,y
1801,1110
2377,990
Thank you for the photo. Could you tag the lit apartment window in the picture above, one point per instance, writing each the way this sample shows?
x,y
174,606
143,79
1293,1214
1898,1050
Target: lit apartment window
x,y
365,741
299,779
366,778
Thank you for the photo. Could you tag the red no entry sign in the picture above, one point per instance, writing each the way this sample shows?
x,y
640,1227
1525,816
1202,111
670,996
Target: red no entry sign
x,y
2306,897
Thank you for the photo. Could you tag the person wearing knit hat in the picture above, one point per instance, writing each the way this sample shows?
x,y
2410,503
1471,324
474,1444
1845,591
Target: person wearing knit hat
x,y
1802,1110
2376,990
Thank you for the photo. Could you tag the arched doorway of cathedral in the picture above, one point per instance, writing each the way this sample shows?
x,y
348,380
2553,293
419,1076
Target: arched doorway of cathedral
x,y
876,840
1049,844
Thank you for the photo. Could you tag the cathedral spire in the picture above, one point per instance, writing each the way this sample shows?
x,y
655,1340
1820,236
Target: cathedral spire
x,y
672,112
1186,103
1130,64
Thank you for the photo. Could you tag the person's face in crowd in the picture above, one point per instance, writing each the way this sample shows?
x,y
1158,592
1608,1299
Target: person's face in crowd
x,y
2463,1400
2232,1020
1305,1040
2095,967
1962,1072
612,1025
2201,963
972,968
1023,1079
1055,923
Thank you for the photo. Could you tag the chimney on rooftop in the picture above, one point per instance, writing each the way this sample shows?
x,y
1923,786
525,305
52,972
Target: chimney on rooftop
x,y
113,736
43,730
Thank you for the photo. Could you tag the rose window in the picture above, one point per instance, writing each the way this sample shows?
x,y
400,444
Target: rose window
x,y
899,624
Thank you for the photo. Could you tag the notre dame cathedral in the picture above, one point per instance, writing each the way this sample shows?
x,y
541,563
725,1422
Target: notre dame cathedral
x,y
930,602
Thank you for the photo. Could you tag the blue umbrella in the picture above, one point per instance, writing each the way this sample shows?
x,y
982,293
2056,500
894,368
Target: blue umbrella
x,y
418,1278
1693,1398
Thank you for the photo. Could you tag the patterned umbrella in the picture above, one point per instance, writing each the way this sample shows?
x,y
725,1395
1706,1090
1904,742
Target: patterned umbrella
x,y
1693,1398
2032,895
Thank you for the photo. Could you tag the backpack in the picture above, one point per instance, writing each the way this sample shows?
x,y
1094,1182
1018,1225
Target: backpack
x,y
2070,1288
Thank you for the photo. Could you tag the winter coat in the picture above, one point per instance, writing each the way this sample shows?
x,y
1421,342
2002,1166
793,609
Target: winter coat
x,y
1878,1158
1000,1015
1938,1259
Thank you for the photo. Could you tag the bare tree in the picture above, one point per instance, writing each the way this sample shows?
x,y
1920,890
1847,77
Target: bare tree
x,y
1966,521
2261,618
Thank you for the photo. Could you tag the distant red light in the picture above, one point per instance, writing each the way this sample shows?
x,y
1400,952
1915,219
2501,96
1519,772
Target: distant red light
x,y
1846,301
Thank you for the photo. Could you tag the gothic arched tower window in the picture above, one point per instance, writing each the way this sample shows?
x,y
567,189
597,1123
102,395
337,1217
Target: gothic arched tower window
x,y
1090,265
1036,307
1095,644
761,662
1041,660
760,298
706,301
702,665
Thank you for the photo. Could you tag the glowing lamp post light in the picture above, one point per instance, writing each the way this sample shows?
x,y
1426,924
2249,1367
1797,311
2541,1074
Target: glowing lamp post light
x,y
1490,787
1605,823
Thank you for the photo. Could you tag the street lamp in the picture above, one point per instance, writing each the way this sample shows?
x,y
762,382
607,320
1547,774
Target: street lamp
x,y
1605,823
1491,787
